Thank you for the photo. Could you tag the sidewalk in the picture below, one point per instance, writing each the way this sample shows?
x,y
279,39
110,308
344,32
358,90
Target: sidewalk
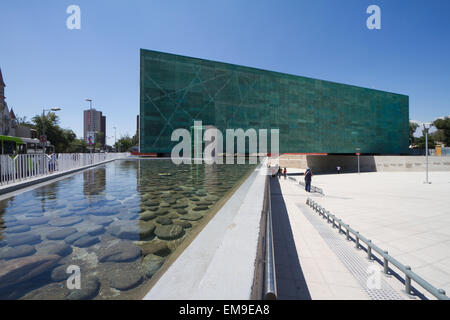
x,y
306,267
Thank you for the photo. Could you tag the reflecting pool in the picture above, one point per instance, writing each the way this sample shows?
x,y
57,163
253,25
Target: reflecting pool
x,y
119,224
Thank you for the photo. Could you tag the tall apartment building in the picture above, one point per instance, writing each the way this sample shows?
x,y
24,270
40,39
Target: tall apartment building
x,y
94,122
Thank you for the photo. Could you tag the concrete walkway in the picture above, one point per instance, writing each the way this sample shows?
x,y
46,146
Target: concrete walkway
x,y
399,213
306,267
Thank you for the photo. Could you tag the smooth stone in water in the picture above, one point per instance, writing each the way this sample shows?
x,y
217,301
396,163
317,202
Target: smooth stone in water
x,y
61,234
55,248
148,216
17,271
105,221
128,215
9,219
131,230
95,230
169,232
17,252
151,264
60,274
201,208
164,221
27,238
125,280
18,229
121,252
162,212
89,289
105,211
86,241
182,211
172,215
65,222
151,203
36,221
184,224
153,247
191,217
74,237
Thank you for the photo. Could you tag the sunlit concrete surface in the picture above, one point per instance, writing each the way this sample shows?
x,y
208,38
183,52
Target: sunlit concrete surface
x,y
399,213
306,267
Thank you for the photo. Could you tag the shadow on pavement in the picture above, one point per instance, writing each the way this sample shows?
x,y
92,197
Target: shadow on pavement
x,y
291,284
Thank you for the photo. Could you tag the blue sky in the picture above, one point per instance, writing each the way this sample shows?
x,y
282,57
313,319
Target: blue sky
x,y
47,65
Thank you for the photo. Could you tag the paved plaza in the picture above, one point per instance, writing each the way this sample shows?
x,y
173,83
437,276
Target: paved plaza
x,y
397,211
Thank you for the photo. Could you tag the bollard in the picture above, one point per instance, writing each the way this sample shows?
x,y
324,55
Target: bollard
x,y
369,250
407,281
334,225
357,240
386,263
328,217
340,226
348,232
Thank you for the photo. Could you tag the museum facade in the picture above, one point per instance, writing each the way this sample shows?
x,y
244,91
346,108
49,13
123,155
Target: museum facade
x,y
313,116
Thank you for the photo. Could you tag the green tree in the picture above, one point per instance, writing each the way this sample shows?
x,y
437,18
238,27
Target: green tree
x,y
125,143
98,140
59,137
443,126
78,146
420,142
412,128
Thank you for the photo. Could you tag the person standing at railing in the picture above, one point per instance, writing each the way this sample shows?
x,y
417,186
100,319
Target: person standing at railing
x,y
308,178
52,162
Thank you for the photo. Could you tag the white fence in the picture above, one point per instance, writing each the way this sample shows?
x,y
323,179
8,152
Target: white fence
x,y
27,166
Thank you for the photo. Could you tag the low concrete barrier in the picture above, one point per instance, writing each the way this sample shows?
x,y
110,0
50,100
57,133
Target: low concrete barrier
x,y
220,263
349,163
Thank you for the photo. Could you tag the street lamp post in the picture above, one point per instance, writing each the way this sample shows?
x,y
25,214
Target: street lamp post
x,y
43,137
90,102
90,123
426,128
115,138
358,152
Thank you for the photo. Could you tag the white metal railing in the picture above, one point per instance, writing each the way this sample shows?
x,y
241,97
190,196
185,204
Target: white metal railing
x,y
27,166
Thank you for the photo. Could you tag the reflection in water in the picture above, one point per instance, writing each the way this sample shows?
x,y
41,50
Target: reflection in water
x,y
118,222
3,206
94,181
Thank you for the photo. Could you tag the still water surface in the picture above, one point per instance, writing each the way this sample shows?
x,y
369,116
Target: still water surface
x,y
119,223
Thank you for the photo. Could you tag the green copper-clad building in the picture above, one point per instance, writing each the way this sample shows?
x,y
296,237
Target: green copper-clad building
x,y
313,116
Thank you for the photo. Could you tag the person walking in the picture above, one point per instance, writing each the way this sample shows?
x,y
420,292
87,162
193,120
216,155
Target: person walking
x,y
338,168
308,178
279,172
284,173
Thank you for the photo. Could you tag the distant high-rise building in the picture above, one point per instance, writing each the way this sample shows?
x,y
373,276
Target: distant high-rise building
x,y
94,122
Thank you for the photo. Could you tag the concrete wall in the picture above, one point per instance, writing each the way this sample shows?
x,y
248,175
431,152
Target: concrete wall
x,y
220,262
328,164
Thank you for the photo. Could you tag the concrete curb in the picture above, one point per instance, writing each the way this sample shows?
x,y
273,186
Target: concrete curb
x,y
220,261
